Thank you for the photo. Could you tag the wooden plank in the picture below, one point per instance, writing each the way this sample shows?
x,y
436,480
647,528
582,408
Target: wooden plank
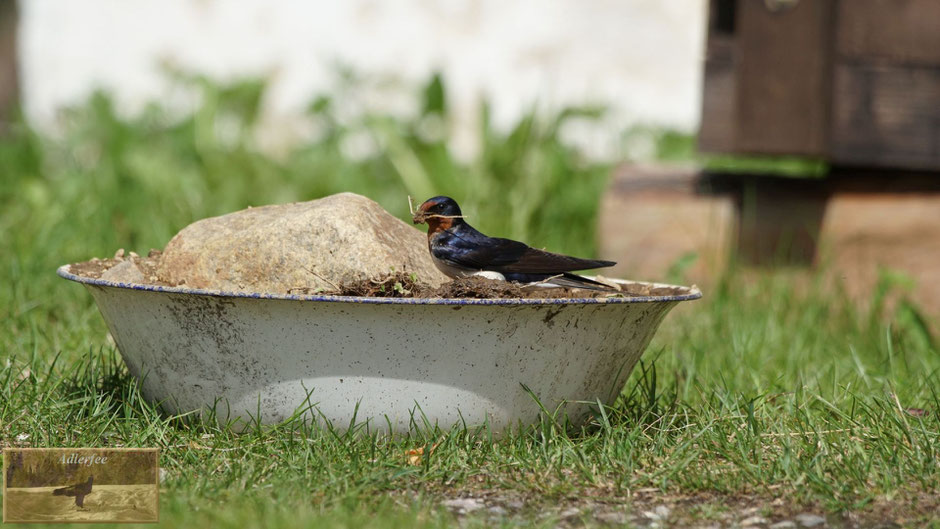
x,y
783,61
903,31
717,133
887,116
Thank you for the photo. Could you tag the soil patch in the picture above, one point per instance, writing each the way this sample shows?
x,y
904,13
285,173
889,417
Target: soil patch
x,y
96,267
404,286
604,506
398,285
401,285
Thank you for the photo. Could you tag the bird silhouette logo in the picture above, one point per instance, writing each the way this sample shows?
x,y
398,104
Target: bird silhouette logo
x,y
79,490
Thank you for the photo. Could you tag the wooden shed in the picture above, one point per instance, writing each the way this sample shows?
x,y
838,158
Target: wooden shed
x,y
852,82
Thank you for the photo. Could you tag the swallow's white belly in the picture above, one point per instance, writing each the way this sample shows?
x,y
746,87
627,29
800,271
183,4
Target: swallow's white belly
x,y
455,271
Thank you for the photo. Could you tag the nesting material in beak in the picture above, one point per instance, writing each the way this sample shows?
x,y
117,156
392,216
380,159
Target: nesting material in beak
x,y
419,216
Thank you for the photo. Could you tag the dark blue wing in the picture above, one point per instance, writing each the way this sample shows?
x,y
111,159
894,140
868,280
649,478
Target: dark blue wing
x,y
466,247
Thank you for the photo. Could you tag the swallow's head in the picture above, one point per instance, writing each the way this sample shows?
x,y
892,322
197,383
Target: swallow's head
x,y
437,210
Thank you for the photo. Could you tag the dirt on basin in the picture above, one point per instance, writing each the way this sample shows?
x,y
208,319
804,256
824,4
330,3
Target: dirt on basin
x,y
405,286
97,268
396,285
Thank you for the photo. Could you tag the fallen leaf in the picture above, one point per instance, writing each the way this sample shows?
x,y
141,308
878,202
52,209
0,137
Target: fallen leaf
x,y
415,455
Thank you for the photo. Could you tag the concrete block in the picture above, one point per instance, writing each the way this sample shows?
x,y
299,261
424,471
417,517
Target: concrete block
x,y
654,217
849,226
864,232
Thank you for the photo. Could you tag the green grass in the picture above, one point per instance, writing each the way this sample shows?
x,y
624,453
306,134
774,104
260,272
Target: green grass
x,y
672,146
764,389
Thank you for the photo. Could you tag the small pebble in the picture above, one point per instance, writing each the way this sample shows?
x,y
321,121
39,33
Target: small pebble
x,y
786,524
464,504
661,512
753,520
810,520
134,255
496,510
569,513
612,518
119,255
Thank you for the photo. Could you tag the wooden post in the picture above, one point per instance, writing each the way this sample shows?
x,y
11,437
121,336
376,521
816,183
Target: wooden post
x,y
784,59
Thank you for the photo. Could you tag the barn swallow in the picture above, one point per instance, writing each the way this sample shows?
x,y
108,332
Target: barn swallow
x,y
459,250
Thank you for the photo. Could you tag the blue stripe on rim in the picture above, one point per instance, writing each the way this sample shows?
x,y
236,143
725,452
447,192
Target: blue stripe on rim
x,y
694,293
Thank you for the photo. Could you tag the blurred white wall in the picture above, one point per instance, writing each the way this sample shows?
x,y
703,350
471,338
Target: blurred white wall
x,y
640,57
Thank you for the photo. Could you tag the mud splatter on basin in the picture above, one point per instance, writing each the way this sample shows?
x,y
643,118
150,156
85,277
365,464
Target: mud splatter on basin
x,y
388,361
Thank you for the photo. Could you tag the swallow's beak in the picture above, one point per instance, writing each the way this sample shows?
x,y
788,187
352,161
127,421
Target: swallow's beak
x,y
420,216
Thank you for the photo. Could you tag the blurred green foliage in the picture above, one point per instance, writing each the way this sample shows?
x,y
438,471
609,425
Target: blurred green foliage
x,y
110,181
673,146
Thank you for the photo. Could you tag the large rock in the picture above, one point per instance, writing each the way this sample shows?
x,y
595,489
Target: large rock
x,y
306,245
126,271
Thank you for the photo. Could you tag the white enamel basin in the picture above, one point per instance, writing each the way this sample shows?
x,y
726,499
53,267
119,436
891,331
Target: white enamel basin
x,y
384,361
